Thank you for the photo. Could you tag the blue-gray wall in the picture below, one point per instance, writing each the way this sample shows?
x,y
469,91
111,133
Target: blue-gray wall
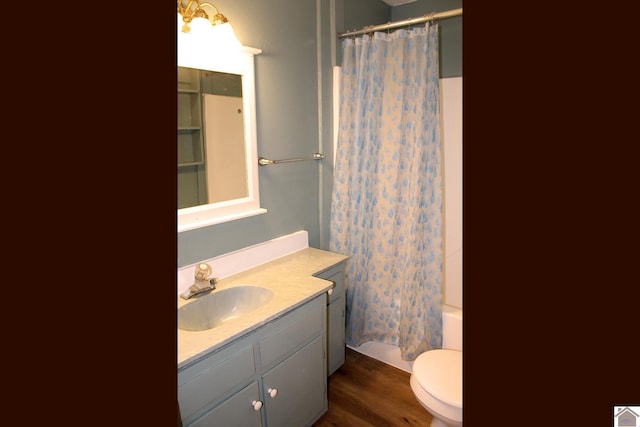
x,y
287,126
294,111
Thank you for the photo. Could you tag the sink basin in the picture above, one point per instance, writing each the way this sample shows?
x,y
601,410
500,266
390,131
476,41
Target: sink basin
x,y
220,306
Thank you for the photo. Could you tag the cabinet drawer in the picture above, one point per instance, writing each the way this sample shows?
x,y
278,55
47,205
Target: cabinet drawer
x,y
293,331
212,382
237,411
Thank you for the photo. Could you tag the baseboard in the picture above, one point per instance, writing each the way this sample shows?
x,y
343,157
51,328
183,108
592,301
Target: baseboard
x,y
385,353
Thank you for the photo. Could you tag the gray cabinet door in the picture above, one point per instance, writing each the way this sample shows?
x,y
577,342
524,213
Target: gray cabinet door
x,y
335,318
335,336
301,388
237,411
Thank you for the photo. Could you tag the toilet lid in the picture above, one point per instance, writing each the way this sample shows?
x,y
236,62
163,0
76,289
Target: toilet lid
x,y
439,373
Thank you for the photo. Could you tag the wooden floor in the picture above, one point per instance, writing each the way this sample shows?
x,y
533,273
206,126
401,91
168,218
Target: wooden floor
x,y
367,392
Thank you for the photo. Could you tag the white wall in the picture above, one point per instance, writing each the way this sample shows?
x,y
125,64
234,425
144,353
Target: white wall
x,y
451,117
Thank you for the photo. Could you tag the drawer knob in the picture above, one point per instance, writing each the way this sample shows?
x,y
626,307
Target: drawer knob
x,y
257,405
273,392
330,291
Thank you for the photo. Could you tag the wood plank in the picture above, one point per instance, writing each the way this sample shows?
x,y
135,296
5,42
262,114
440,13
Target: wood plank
x,y
367,392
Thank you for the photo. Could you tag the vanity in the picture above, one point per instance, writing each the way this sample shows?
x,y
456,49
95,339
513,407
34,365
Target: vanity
x,y
258,349
269,366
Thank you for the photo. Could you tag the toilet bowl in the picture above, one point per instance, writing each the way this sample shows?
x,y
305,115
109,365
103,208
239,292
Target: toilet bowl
x,y
436,375
436,381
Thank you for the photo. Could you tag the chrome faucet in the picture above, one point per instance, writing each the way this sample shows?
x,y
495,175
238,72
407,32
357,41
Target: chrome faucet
x,y
202,284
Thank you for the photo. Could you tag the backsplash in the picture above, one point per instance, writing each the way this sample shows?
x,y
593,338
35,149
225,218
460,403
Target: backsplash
x,y
243,259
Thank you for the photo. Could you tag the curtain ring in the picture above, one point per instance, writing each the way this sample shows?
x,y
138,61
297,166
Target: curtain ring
x,y
371,30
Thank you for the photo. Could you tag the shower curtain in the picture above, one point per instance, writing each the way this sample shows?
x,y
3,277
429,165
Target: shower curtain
x,y
386,207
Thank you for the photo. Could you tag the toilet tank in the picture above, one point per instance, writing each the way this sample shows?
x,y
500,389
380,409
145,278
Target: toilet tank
x,y
451,328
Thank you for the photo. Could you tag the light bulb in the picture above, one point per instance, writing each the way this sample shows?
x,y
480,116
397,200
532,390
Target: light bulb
x,y
225,38
200,26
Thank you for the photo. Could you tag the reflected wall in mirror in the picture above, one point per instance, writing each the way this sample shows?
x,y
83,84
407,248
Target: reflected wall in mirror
x,y
217,145
211,147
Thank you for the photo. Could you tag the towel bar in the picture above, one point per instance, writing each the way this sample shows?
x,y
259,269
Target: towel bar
x,y
263,162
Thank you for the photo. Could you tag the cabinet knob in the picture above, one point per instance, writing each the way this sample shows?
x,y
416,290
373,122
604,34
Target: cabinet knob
x,y
273,392
330,291
257,405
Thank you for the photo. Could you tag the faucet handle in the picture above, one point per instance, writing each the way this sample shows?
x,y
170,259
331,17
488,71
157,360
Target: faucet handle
x,y
203,270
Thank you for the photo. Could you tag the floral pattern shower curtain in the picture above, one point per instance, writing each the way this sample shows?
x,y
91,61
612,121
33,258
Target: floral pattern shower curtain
x,y
386,208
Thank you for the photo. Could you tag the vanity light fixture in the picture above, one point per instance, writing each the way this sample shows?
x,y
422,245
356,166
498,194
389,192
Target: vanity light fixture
x,y
216,31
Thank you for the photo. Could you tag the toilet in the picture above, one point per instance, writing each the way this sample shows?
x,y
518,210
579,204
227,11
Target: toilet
x,y
436,375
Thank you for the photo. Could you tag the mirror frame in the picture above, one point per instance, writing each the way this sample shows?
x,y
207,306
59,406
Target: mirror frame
x,y
216,213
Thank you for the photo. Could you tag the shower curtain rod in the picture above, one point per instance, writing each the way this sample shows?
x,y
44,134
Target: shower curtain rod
x,y
429,17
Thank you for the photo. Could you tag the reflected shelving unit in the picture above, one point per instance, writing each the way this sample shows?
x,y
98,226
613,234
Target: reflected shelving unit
x,y
191,172
189,118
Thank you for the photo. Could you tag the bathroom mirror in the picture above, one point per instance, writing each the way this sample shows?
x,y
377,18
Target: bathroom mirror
x,y
217,144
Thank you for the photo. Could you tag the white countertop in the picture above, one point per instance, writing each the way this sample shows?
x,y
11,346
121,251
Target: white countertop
x,y
291,280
